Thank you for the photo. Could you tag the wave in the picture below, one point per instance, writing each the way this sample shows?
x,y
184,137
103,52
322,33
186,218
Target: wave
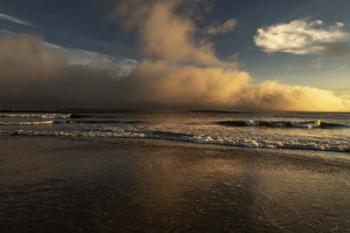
x,y
310,144
36,115
76,115
105,122
29,123
52,122
93,115
219,112
282,124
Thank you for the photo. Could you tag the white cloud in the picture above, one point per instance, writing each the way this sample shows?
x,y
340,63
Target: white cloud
x,y
226,27
15,20
7,33
118,67
304,37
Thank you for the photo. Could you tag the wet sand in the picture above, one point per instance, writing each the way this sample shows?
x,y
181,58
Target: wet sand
x,y
59,185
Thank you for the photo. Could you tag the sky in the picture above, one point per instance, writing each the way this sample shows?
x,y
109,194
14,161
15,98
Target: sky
x,y
238,54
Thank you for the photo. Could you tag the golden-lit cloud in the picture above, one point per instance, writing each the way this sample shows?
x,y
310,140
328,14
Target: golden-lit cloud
x,y
164,34
169,40
276,96
179,69
165,83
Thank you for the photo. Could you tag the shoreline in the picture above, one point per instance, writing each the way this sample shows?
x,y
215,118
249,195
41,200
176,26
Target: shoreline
x,y
326,157
56,185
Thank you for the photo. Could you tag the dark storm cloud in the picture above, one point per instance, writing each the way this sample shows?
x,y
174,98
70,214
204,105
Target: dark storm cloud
x,y
34,75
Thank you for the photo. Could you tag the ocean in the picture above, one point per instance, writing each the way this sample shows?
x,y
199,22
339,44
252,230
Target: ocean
x,y
274,130
184,171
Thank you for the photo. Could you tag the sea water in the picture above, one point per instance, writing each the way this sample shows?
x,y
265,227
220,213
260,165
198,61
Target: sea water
x,y
274,130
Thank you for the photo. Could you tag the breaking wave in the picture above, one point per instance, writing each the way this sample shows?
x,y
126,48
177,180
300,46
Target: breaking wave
x,y
332,134
56,122
36,115
106,122
282,124
299,143
29,123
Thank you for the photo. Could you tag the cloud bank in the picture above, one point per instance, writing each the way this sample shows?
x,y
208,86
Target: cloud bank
x,y
38,75
179,69
15,20
304,37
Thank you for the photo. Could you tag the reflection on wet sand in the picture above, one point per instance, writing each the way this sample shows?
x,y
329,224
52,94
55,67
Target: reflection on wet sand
x,y
134,186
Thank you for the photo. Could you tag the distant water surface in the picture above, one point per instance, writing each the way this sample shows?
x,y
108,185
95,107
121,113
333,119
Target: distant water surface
x,y
304,131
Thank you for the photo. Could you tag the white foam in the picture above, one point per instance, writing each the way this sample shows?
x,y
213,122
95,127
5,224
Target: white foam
x,y
28,123
36,115
301,143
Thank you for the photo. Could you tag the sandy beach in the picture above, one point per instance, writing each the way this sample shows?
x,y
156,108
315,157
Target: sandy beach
x,y
60,185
